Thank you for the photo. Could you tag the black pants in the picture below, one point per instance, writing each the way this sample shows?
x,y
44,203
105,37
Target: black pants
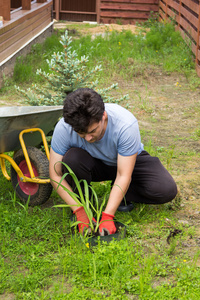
x,y
151,182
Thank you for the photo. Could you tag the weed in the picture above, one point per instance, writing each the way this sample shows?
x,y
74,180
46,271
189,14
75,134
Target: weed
x,y
144,101
119,21
196,134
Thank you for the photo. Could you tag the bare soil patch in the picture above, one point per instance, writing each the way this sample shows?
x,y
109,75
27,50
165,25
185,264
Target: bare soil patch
x,y
99,28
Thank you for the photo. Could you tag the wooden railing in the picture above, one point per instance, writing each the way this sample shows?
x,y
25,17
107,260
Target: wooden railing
x,y
186,15
22,25
5,7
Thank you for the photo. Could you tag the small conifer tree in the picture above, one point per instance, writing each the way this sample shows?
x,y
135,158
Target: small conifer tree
x,y
68,73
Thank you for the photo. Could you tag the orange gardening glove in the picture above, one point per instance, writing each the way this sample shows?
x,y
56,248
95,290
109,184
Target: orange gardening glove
x,y
83,219
107,225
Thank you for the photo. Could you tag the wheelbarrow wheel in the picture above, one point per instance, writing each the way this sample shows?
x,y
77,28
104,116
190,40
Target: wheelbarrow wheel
x,y
34,192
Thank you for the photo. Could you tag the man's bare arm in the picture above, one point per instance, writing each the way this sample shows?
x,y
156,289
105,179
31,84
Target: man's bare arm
x,y
125,167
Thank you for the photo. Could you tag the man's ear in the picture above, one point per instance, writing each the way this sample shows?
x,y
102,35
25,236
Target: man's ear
x,y
104,116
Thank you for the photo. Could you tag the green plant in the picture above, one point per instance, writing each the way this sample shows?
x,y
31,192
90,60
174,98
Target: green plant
x,y
144,102
89,201
68,73
162,35
172,247
119,21
152,20
196,134
15,201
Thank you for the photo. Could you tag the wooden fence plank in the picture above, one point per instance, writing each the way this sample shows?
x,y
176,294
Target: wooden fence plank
x,y
189,42
128,21
132,1
188,27
78,12
171,14
189,16
198,70
129,7
198,55
130,15
163,7
161,15
198,42
173,5
191,5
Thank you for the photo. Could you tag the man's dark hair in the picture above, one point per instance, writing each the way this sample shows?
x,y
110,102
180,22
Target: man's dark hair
x,y
82,108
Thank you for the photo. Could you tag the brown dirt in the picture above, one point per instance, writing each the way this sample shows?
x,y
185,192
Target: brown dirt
x,y
98,28
111,27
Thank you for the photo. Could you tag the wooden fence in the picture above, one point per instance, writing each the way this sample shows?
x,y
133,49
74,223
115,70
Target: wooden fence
x,y
186,14
105,11
126,11
76,10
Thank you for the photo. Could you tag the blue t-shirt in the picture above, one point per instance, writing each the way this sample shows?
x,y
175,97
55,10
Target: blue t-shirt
x,y
122,137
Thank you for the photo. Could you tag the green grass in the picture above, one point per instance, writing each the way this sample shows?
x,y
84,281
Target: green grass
x,y
127,54
124,50
25,67
40,259
39,256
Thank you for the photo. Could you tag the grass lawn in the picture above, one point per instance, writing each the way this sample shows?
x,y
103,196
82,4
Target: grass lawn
x,y
159,258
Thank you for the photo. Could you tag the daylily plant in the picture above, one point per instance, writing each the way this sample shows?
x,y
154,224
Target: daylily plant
x,y
89,201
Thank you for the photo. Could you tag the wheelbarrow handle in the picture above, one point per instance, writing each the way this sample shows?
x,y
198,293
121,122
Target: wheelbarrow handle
x,y
30,130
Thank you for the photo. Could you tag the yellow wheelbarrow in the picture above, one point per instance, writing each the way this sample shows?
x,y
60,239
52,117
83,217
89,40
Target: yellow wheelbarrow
x,y
22,130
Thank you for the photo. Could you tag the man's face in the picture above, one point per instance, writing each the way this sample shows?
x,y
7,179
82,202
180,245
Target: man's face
x,y
95,131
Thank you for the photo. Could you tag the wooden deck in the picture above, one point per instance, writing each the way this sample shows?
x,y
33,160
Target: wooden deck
x,y
23,27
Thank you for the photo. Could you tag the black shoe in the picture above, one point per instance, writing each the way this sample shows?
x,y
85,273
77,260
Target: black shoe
x,y
126,207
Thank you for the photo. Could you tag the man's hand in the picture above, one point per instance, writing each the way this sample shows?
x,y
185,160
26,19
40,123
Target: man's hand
x,y
83,219
107,225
